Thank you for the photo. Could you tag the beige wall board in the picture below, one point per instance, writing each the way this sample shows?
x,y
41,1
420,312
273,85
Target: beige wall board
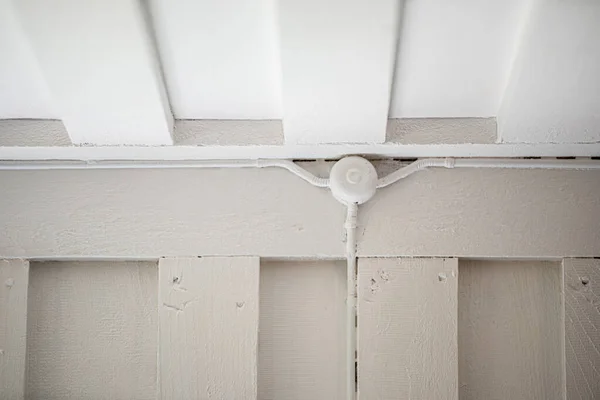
x,y
33,132
407,316
582,328
302,330
208,311
510,330
92,331
272,213
154,213
14,282
230,132
484,213
441,130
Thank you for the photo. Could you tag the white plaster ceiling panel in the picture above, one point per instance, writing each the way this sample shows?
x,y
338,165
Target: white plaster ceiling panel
x,y
220,58
554,90
454,57
23,91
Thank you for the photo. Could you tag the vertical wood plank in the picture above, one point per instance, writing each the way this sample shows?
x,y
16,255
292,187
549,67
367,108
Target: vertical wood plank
x,y
208,311
302,330
407,328
92,331
509,330
582,328
14,282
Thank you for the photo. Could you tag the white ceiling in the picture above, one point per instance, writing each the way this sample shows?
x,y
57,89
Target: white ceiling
x,y
118,71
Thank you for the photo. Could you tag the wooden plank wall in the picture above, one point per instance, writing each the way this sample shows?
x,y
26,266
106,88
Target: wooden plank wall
x,y
14,277
509,330
91,331
302,330
582,328
220,327
407,346
208,327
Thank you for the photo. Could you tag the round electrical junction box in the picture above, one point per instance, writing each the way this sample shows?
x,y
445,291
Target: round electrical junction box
x,y
353,180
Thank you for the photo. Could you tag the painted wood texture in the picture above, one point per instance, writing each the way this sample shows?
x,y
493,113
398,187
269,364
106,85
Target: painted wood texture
x,y
14,277
346,49
471,213
582,328
217,212
106,82
208,327
407,333
509,330
553,94
477,213
302,330
92,331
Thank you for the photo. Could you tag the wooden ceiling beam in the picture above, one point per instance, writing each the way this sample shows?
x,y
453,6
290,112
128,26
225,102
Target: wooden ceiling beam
x,y
99,62
337,62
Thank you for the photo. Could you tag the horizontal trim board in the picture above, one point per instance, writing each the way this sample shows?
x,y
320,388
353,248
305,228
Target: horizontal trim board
x,y
271,213
323,151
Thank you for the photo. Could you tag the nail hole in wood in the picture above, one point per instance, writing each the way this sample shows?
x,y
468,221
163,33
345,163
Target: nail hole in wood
x,y
585,281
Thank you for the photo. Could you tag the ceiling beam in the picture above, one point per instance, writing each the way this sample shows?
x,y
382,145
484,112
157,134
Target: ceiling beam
x,y
99,62
553,95
337,60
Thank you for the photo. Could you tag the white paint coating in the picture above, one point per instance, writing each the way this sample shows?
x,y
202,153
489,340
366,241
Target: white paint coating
x,y
23,91
98,61
554,90
407,333
454,57
220,58
267,212
337,58
320,151
484,213
14,282
92,331
510,330
302,330
208,310
582,332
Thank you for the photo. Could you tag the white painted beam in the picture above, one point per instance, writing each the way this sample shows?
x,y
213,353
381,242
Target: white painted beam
x,y
220,58
337,62
208,313
98,60
14,281
553,95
